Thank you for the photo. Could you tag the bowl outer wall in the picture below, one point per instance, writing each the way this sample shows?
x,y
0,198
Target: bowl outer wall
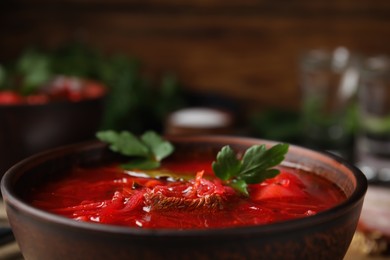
x,y
327,235
28,129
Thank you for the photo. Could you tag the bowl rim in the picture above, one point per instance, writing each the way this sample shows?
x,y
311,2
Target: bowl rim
x,y
12,200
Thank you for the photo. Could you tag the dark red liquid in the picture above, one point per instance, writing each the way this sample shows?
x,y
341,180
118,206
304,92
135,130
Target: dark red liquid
x,y
110,195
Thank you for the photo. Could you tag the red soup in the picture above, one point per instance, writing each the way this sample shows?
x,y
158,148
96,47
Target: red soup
x,y
183,195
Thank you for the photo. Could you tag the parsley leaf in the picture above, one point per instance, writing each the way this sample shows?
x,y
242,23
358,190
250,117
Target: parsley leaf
x,y
159,147
124,143
254,167
147,151
227,164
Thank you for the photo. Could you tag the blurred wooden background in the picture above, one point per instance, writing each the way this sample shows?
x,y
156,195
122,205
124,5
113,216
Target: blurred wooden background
x,y
247,50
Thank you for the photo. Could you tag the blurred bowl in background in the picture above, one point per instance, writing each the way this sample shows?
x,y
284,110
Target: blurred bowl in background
x,y
71,113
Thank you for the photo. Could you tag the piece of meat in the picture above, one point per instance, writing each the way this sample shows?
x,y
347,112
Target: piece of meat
x,y
198,194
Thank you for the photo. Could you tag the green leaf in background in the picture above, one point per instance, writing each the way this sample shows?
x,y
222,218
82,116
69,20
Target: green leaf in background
x,y
34,66
170,96
276,124
3,77
134,102
78,60
128,96
373,124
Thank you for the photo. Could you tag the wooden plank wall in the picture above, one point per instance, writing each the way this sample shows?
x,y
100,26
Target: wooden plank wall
x,y
247,50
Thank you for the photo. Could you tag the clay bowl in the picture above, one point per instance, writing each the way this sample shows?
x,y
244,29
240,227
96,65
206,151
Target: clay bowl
x,y
42,235
27,129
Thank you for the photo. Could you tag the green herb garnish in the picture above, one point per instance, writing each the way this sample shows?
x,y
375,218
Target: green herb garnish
x,y
254,167
146,151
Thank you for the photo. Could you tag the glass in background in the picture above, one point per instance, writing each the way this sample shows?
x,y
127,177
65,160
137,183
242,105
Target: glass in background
x,y
373,138
329,82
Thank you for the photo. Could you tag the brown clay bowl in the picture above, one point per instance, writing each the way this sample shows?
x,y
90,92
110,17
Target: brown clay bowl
x,y
27,129
42,235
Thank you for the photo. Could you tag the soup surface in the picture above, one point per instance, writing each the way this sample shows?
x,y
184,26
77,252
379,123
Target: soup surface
x,y
183,195
61,88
